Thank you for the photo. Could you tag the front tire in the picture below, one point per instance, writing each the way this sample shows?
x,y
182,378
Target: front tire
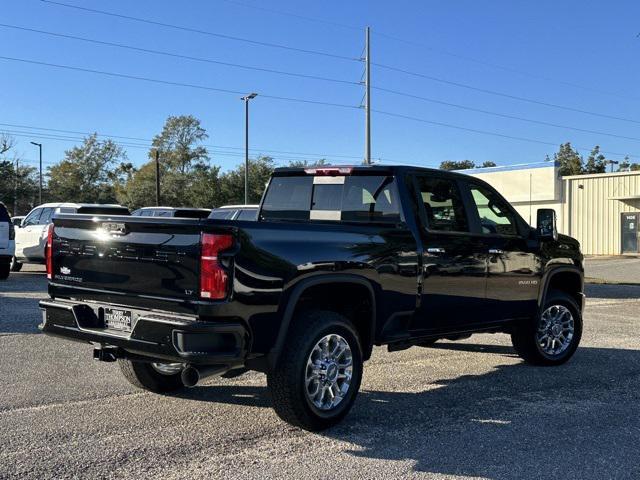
x,y
16,266
317,378
554,336
158,378
5,268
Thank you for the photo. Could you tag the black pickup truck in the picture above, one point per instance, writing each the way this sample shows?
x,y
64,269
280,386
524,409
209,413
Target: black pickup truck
x,y
340,259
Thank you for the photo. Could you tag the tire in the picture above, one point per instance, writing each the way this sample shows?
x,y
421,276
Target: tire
x,y
525,336
287,381
16,266
144,375
5,268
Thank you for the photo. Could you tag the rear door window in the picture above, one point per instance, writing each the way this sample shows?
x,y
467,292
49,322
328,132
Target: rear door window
x,y
443,205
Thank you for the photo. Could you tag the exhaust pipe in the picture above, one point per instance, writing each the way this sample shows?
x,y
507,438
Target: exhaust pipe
x,y
191,374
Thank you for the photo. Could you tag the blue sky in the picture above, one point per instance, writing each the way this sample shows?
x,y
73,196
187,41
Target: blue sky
x,y
582,55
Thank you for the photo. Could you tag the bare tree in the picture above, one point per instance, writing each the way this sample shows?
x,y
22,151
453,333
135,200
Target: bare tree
x,y
7,142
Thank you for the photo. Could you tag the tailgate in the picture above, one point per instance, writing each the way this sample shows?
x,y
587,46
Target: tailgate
x,y
137,256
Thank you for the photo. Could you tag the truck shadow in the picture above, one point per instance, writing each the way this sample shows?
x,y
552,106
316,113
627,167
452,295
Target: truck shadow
x,y
580,420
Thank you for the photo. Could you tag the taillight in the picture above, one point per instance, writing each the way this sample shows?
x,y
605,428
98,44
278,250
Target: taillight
x,y
12,231
49,252
213,277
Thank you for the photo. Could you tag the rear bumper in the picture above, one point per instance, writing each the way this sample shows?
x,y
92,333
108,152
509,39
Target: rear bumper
x,y
155,336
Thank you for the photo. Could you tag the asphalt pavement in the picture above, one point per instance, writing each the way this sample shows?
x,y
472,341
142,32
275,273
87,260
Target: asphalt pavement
x,y
468,409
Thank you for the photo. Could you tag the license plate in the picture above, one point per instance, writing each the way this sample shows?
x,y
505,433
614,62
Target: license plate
x,y
116,319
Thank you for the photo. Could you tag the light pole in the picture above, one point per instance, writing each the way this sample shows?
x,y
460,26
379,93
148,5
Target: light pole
x,y
246,99
39,145
15,191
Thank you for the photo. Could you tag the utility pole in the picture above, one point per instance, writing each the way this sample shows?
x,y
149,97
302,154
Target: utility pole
x,y
246,99
367,104
157,178
15,192
39,145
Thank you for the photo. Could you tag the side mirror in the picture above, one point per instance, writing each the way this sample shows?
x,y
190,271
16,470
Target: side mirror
x,y
546,224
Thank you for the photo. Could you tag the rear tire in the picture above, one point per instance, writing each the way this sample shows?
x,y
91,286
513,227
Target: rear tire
x,y
539,342
5,268
16,266
144,375
322,354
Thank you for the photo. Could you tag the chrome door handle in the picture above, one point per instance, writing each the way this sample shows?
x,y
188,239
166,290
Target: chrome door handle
x,y
435,250
496,251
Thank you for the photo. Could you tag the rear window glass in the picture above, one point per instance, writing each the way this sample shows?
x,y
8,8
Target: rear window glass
x,y
191,213
248,214
103,211
4,215
358,198
222,214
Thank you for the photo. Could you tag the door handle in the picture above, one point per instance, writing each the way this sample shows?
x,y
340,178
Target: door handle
x,y
435,250
496,251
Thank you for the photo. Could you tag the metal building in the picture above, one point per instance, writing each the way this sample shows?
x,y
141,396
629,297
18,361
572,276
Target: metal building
x,y
602,211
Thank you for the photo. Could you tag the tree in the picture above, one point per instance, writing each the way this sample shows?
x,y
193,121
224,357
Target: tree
x,y
21,185
457,165
89,173
569,159
178,143
307,163
488,164
186,178
18,183
232,182
596,162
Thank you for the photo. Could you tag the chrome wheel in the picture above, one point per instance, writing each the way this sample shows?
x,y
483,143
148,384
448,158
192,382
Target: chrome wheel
x,y
328,372
168,368
555,330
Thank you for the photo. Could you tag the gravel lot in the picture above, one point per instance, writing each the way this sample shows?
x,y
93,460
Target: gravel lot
x,y
464,409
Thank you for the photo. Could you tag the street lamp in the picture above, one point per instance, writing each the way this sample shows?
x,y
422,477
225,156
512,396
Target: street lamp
x,y
39,145
246,99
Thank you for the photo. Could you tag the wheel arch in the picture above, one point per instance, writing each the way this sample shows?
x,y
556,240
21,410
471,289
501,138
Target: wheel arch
x,y
565,279
322,283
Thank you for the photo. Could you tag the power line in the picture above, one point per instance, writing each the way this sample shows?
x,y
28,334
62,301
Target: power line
x,y
484,132
423,46
177,55
504,95
175,84
202,32
503,67
503,115
104,135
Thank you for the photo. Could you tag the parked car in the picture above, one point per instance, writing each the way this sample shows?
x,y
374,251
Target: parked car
x,y
17,221
235,212
31,236
339,260
7,242
172,212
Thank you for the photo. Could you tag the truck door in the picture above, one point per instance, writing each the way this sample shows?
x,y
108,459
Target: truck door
x,y
454,262
513,265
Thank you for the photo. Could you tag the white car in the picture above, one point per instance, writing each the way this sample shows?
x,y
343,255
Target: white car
x,y
7,242
31,236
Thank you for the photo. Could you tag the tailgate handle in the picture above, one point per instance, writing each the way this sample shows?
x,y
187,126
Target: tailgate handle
x,y
436,250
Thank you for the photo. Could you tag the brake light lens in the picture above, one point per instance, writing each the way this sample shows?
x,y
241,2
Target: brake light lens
x,y
213,277
50,252
329,171
12,231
